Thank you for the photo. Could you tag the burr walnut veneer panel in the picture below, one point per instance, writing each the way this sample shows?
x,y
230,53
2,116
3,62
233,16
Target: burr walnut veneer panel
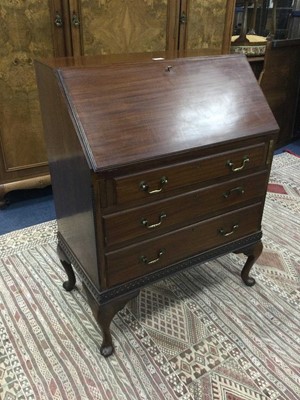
x,y
25,33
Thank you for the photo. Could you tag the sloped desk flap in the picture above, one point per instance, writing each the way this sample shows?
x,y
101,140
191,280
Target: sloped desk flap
x,y
143,111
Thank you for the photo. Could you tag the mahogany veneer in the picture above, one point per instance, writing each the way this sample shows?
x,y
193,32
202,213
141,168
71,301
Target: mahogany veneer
x,y
156,166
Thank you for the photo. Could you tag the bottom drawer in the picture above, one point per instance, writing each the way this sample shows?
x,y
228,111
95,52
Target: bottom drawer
x,y
137,260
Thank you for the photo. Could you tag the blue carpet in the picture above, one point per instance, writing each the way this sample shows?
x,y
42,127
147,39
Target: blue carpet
x,y
294,147
31,207
26,208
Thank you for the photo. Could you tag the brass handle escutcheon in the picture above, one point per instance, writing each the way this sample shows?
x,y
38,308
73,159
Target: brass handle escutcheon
x,y
183,18
145,222
22,62
238,189
145,187
58,21
144,259
75,20
230,164
223,233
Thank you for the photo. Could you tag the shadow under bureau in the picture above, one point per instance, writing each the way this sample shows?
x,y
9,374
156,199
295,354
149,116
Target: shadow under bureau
x,y
157,165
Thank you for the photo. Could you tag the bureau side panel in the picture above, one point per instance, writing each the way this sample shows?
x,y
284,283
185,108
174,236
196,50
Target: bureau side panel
x,y
70,175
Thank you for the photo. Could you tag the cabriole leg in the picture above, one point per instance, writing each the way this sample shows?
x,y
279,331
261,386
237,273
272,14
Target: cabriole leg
x,y
252,253
104,314
70,283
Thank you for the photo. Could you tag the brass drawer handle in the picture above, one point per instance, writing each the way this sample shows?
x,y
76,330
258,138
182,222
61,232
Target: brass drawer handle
x,y
145,222
230,164
223,233
238,189
145,187
144,259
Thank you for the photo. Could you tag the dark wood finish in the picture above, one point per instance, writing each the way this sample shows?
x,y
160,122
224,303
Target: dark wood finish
x,y
132,138
280,82
129,225
128,188
257,64
127,263
71,282
179,123
252,252
104,314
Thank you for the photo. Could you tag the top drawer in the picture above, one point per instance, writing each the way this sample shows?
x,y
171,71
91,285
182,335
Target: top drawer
x,y
150,184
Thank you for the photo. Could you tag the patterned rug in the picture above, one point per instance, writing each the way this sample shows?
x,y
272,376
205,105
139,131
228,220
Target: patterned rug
x,y
201,335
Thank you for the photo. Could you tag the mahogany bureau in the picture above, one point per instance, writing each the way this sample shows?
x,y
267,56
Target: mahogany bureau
x,y
156,165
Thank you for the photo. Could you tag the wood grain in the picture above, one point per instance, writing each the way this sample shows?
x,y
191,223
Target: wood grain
x,y
147,111
202,122
113,26
25,35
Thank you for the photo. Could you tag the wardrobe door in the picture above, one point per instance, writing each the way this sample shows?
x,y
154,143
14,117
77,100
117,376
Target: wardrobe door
x,y
61,23
25,34
114,26
208,24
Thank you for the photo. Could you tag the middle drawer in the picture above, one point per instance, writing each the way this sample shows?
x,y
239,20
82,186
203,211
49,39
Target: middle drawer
x,y
182,210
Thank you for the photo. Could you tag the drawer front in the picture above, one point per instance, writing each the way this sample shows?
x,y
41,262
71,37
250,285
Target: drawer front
x,y
152,184
182,210
138,260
